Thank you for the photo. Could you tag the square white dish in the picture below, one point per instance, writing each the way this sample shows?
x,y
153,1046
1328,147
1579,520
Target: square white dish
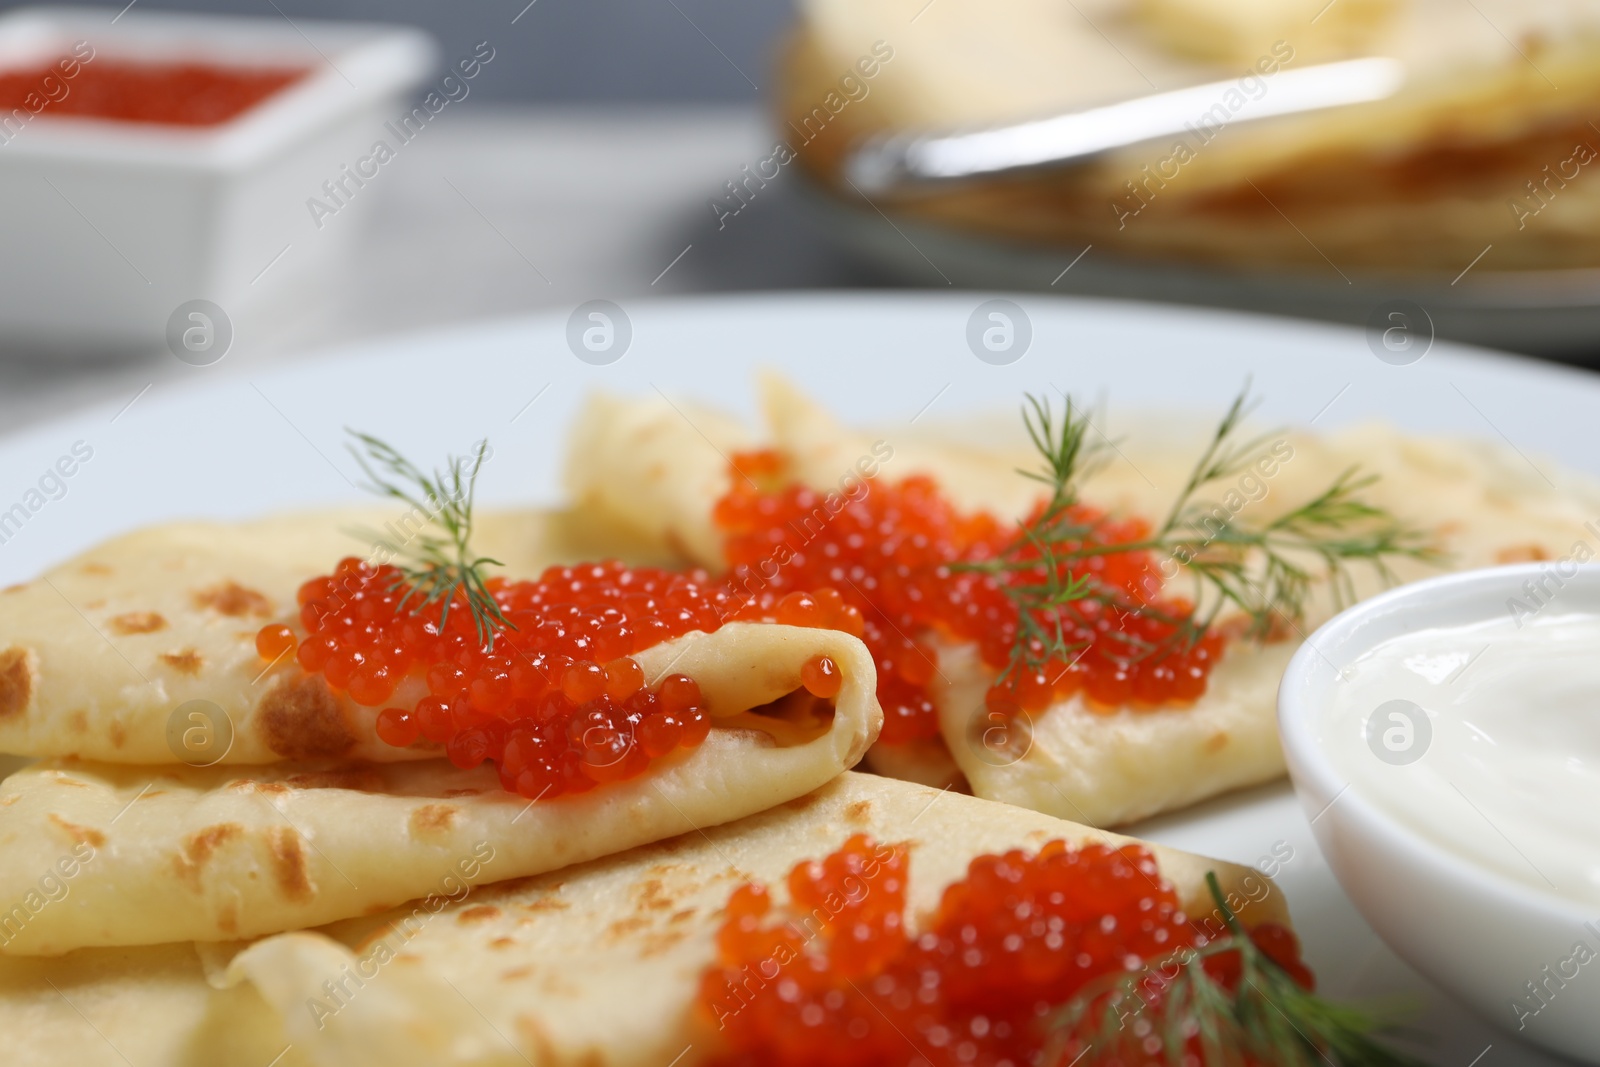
x,y
112,224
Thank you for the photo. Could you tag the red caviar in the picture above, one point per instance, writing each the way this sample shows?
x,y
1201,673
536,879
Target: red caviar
x,y
820,675
557,703
173,94
837,979
887,552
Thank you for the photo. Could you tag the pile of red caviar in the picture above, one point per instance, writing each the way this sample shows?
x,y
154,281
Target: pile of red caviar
x,y
174,94
557,702
837,979
888,552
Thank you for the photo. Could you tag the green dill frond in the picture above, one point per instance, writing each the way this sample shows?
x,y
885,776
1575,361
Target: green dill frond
x,y
434,567
1265,570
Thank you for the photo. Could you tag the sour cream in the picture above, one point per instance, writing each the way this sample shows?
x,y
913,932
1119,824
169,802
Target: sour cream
x,y
1485,739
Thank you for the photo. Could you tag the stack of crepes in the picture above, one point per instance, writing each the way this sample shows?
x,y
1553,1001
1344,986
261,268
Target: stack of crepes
x,y
1487,142
640,465
216,859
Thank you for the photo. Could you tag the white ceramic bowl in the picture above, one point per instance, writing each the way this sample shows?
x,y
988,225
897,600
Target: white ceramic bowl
x,y
1478,934
110,225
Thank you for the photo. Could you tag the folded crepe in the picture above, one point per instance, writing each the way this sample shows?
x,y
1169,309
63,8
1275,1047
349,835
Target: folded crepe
x,y
1478,146
98,653
163,851
149,1007
224,852
1483,503
602,963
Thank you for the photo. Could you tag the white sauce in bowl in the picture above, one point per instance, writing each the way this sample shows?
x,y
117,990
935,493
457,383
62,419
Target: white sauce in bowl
x,y
1485,739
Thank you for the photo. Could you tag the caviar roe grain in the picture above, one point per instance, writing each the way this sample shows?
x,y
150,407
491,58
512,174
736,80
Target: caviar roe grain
x,y
820,675
837,979
886,556
557,704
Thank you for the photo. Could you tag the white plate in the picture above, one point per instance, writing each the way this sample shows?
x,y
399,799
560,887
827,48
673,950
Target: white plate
x,y
235,446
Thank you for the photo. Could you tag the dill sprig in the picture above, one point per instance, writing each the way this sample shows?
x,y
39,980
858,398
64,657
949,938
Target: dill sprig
x,y
433,568
1266,570
1267,1018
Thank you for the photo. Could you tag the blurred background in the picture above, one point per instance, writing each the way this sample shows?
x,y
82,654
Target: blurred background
x,y
573,51
636,149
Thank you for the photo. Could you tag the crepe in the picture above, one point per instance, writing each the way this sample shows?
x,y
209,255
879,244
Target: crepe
x,y
1482,503
99,653
150,1007
218,853
1478,147
601,963
675,454
1237,31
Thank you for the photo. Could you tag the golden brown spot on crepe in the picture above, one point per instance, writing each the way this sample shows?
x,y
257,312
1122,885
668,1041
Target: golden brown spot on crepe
x,y
84,835
359,779
138,622
272,789
17,588
1528,553
660,941
78,721
95,604
62,778
18,668
682,916
118,733
289,862
479,913
549,903
300,719
433,819
200,845
651,895
187,661
234,600
859,812
198,848
626,925
503,942
1216,742
94,568
228,917
516,972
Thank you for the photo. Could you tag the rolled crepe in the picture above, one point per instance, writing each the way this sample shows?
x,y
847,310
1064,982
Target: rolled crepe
x,y
1483,503
98,655
222,852
602,963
